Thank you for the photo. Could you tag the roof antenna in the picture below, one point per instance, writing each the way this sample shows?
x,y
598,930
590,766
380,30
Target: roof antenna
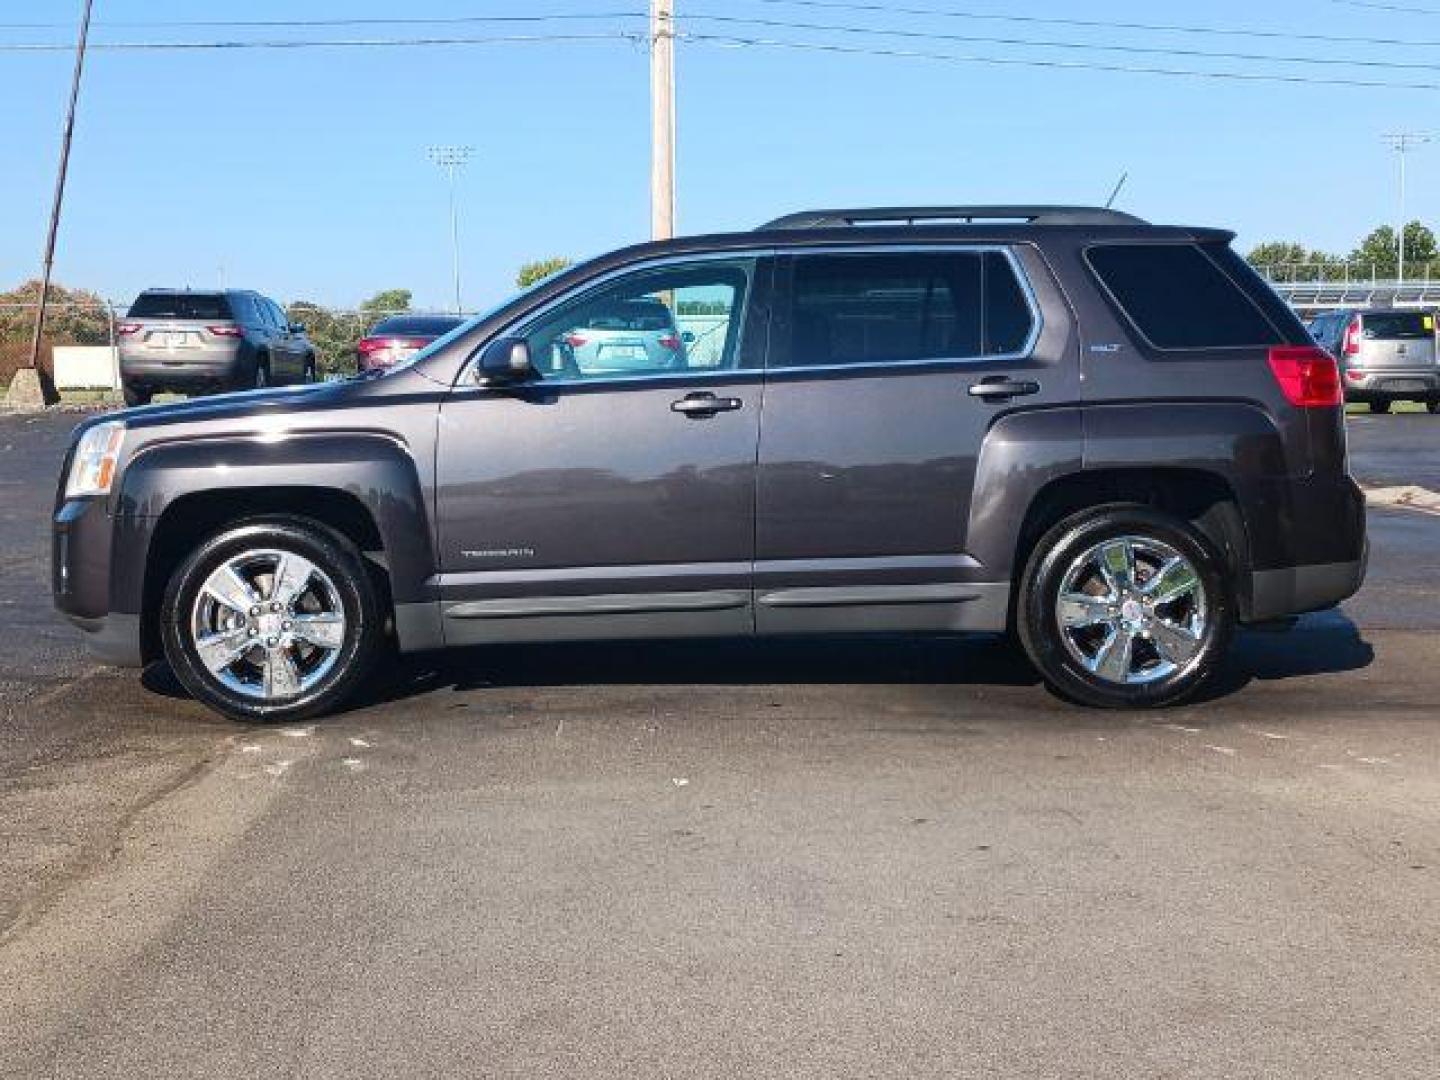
x,y
1115,194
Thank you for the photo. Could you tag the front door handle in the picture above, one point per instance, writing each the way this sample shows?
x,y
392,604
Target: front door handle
x,y
705,404
1001,388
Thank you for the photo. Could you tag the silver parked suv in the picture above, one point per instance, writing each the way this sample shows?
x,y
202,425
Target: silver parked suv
x,y
1385,355
196,342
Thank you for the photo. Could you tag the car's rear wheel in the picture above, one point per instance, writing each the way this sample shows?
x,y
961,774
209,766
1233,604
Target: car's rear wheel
x,y
261,379
1433,407
135,394
309,375
1125,607
271,620
1380,405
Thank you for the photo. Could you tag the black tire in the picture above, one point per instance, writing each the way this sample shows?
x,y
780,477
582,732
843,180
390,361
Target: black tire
x,y
1433,408
261,379
309,373
354,593
136,395
1038,618
1380,405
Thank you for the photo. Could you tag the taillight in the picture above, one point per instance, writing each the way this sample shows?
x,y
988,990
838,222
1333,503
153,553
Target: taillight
x,y
125,329
671,342
1352,338
226,331
575,341
1308,376
369,345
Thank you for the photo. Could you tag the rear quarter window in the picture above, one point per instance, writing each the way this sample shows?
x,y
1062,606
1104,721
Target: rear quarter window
x,y
1179,298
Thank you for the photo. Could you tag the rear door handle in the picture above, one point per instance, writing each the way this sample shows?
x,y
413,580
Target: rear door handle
x,y
705,404
999,388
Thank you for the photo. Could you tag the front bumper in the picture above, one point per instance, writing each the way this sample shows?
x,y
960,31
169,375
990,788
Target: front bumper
x,y
80,558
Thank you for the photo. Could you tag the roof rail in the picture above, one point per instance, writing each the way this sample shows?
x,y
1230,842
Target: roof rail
x,y
916,215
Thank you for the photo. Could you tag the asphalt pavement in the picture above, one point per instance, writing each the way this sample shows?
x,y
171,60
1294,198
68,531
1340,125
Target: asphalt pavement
x,y
899,857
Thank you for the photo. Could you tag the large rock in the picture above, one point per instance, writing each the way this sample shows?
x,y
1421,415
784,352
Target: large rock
x,y
27,390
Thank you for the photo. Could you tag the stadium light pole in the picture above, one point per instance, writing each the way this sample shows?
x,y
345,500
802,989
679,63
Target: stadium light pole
x,y
452,159
1402,143
68,131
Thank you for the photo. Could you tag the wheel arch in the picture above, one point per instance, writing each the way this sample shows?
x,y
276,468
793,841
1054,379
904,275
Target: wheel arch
x,y
365,487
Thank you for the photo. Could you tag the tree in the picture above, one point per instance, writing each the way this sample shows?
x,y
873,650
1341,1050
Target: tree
x,y
540,269
72,317
1285,260
387,302
1379,250
335,334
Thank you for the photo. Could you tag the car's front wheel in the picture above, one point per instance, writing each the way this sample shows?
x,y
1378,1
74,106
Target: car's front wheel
x,y
1125,607
275,619
1380,405
135,394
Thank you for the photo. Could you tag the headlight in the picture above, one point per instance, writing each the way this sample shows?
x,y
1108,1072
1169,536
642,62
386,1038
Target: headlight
x,y
93,468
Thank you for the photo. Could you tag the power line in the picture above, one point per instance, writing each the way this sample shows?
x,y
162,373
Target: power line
x,y
274,24
1148,50
336,43
1403,9
739,41
1062,65
1099,24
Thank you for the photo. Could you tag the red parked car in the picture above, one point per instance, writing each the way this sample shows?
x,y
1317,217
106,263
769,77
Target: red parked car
x,y
399,337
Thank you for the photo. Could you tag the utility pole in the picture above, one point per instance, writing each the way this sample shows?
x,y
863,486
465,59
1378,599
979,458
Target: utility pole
x,y
662,119
49,260
1402,143
452,159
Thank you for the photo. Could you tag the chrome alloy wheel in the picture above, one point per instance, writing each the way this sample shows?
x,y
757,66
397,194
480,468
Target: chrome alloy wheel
x,y
1132,610
268,624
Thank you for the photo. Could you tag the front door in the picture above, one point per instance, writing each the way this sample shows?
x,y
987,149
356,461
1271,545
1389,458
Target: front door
x,y
614,495
886,371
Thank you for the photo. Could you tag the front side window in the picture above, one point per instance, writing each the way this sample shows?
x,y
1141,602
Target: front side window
x,y
903,308
655,322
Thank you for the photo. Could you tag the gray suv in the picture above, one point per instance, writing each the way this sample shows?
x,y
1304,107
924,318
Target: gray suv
x,y
1108,438
196,342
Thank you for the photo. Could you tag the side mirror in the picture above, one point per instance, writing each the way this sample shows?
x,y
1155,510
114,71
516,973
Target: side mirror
x,y
506,360
688,337
297,327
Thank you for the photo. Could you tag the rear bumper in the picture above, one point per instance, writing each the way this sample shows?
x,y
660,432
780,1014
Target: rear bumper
x,y
1308,548
1377,384
1295,590
181,367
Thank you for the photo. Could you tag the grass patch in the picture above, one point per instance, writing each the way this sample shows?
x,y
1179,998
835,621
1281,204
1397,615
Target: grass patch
x,y
1358,408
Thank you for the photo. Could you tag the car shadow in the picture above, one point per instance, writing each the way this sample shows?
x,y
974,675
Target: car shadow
x,y
1319,644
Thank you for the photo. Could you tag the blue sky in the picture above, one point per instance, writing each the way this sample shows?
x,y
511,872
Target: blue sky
x,y
303,173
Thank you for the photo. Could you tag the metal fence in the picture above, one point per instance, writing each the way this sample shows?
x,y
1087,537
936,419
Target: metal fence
x,y
335,332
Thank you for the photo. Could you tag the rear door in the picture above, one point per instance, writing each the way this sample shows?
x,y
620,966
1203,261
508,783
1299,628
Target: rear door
x,y
1397,343
886,370
284,355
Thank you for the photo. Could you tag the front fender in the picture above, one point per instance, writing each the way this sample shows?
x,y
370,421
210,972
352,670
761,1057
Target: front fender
x,y
377,470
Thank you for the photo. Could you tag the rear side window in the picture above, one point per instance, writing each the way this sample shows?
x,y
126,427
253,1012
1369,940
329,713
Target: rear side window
x,y
1397,325
180,306
1178,298
885,309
